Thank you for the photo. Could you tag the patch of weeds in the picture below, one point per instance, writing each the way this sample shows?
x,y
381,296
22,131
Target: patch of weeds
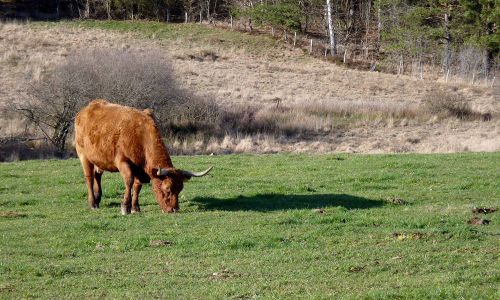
x,y
289,221
242,244
224,274
413,140
307,188
319,210
58,271
204,55
397,201
10,175
28,202
332,220
7,287
356,269
12,214
96,226
408,236
160,243
339,158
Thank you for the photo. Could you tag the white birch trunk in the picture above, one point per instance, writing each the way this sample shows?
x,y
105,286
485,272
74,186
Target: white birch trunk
x,y
333,43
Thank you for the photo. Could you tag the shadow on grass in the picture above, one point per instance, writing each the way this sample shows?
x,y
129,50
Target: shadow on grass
x,y
270,202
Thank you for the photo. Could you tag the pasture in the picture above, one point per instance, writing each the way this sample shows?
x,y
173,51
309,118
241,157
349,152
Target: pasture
x,y
259,226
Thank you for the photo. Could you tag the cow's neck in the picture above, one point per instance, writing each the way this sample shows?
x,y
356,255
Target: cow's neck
x,y
156,154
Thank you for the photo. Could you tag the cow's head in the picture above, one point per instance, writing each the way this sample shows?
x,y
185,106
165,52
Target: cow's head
x,y
169,184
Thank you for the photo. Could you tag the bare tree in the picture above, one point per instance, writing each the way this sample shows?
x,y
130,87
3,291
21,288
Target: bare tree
x,y
333,42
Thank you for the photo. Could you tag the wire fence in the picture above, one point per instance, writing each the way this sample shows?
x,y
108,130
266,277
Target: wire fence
x,y
466,66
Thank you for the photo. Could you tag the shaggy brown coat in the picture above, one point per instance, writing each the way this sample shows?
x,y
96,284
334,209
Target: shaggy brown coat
x,y
115,138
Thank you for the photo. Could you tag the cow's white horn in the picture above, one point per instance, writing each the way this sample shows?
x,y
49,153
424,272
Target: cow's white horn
x,y
162,172
193,174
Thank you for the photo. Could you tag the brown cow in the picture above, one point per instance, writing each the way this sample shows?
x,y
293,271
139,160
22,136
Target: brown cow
x,y
115,138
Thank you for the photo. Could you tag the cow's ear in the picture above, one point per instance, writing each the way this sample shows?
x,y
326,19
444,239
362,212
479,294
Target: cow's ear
x,y
149,112
159,172
185,178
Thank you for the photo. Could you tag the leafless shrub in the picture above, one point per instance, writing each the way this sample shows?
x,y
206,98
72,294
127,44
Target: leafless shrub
x,y
470,63
447,104
139,79
245,120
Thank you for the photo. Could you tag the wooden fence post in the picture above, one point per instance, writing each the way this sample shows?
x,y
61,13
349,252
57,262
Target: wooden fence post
x,y
295,39
311,47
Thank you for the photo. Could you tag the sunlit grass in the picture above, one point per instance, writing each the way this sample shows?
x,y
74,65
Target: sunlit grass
x,y
252,229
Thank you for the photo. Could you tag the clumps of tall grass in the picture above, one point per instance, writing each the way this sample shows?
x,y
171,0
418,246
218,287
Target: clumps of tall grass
x,y
144,79
314,118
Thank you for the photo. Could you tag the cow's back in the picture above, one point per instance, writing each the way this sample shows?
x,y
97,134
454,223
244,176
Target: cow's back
x,y
106,133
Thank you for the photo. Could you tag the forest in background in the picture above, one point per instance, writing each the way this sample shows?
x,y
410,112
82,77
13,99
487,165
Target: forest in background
x,y
445,37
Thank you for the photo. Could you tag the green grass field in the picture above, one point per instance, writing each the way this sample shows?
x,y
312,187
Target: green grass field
x,y
250,230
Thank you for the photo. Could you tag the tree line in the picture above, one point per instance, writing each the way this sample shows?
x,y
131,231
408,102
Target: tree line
x,y
458,34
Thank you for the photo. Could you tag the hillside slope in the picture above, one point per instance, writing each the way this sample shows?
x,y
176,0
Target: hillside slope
x,y
239,70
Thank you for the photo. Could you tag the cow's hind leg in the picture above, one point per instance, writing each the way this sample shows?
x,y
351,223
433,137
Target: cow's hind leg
x,y
135,198
128,180
97,185
88,172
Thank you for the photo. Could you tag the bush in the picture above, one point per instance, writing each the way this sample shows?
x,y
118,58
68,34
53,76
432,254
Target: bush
x,y
129,77
452,105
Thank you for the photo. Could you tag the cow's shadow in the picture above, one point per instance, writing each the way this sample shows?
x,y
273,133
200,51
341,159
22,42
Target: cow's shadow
x,y
273,202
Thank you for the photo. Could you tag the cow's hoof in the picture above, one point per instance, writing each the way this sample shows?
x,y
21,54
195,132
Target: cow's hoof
x,y
97,197
125,210
136,211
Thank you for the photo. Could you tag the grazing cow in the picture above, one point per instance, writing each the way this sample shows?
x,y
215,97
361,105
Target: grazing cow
x,y
115,138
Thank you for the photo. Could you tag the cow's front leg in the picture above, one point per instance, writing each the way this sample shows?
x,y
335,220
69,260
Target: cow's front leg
x,y
128,180
135,197
97,185
88,172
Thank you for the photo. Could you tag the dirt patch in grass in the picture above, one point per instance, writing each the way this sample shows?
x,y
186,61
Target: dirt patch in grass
x,y
159,243
11,214
478,221
484,210
224,274
408,236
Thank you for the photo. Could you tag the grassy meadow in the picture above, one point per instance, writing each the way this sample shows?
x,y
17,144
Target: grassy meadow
x,y
260,226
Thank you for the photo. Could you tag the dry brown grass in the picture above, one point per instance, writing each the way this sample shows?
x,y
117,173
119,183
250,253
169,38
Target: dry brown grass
x,y
281,102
